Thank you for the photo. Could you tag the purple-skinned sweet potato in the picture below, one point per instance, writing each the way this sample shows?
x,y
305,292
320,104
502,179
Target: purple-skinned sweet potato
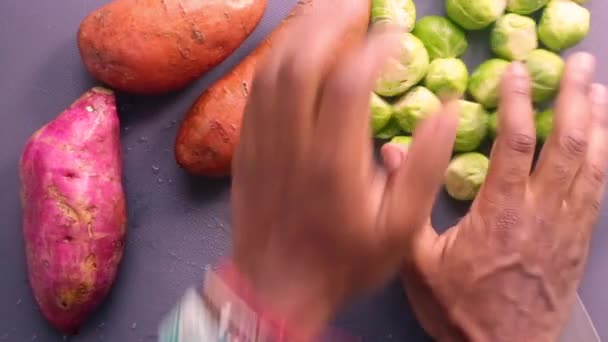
x,y
74,212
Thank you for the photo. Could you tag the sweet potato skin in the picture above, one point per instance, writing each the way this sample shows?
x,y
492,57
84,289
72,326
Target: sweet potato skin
x,y
209,134
74,212
159,46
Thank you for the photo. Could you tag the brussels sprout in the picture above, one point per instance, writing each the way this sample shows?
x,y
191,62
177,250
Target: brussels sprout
x,y
472,126
402,74
441,37
485,82
415,106
447,77
390,130
514,37
525,6
398,12
402,140
563,24
465,175
493,125
545,69
475,14
381,112
544,125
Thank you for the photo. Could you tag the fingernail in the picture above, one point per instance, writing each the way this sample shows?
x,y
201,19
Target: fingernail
x,y
598,94
518,69
584,63
393,157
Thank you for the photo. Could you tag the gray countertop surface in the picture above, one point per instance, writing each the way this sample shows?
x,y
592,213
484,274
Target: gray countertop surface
x,y
177,224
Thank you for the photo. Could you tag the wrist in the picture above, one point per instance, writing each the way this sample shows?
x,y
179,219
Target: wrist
x,y
228,309
304,302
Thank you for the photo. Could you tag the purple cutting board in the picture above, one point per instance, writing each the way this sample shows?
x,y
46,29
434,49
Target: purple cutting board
x,y
177,224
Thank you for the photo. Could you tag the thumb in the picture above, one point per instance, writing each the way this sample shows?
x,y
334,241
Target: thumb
x,y
412,188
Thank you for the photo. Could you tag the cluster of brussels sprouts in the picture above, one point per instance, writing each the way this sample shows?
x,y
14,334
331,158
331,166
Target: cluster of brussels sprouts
x,y
429,68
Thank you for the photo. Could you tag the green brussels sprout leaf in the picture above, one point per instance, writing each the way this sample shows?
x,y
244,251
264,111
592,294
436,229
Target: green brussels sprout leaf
x,y
514,37
414,107
525,6
447,77
381,112
390,130
465,175
545,69
402,140
564,23
544,125
472,126
485,81
475,14
397,12
493,125
401,74
441,37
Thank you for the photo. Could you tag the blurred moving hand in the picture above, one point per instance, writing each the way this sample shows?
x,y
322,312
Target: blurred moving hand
x,y
316,222
509,270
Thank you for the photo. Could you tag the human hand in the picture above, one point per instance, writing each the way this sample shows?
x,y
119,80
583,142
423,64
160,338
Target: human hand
x,y
509,270
315,221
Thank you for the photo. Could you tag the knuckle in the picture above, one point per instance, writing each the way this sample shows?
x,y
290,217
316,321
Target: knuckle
x,y
573,144
520,88
521,142
561,172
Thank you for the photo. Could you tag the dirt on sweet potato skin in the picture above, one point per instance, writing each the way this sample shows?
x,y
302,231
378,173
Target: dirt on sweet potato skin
x,y
154,47
208,135
74,211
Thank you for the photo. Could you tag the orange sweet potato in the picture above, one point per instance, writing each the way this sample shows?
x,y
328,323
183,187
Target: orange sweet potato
x,y
158,46
208,136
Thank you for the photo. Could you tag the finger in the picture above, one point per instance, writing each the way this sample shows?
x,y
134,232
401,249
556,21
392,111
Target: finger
x,y
259,132
255,141
256,128
589,184
260,118
392,156
566,149
513,150
304,64
342,129
420,177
